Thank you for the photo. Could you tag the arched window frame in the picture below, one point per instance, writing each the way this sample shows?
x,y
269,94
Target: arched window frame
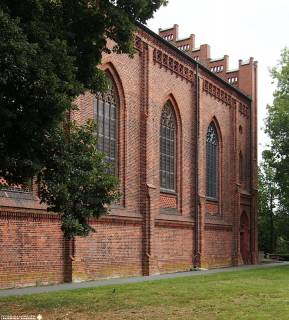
x,y
212,162
121,117
106,113
168,149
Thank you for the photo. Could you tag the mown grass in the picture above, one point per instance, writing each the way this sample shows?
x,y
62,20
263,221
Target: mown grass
x,y
251,294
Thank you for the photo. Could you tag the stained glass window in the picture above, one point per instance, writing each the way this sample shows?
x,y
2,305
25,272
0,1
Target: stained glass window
x,y
168,148
212,162
106,118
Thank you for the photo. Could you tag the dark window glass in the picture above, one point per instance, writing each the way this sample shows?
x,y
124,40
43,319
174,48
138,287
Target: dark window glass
x,y
105,117
167,148
212,160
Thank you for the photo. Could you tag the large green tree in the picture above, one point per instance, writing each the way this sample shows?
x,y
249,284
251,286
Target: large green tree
x,y
267,207
274,180
76,181
49,50
273,215
277,127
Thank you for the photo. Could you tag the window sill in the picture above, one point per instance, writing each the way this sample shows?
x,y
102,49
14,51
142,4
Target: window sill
x,y
212,199
21,200
169,192
17,194
174,219
170,211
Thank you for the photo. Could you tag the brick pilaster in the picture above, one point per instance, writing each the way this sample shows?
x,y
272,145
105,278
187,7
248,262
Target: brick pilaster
x,y
235,186
148,193
201,239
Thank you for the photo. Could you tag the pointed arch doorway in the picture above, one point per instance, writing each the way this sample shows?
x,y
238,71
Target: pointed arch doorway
x,y
245,238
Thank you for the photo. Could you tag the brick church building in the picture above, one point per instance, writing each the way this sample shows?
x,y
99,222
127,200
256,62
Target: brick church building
x,y
180,131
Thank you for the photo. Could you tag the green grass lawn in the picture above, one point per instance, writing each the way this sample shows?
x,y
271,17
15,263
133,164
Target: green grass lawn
x,y
251,294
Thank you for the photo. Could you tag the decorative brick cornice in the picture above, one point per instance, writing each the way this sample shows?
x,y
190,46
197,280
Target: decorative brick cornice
x,y
166,61
42,215
218,93
138,43
162,46
244,110
28,215
224,97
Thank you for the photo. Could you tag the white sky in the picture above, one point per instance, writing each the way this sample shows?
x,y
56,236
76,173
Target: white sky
x,y
241,29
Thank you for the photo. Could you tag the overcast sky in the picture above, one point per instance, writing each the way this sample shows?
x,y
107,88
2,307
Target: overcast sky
x,y
240,29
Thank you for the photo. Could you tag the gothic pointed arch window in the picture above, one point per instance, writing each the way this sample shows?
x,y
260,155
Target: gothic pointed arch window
x,y
212,162
168,149
106,109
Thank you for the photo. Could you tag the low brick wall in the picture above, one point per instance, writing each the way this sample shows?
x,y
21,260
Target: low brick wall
x,y
34,252
174,248
32,249
218,248
114,250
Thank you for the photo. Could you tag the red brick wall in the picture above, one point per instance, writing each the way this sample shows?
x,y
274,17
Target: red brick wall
x,y
165,85
167,201
212,208
219,112
218,248
31,249
114,250
174,247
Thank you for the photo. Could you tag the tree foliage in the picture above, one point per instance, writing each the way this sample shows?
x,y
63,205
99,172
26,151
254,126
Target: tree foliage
x,y
49,51
276,158
76,181
268,207
277,126
273,216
